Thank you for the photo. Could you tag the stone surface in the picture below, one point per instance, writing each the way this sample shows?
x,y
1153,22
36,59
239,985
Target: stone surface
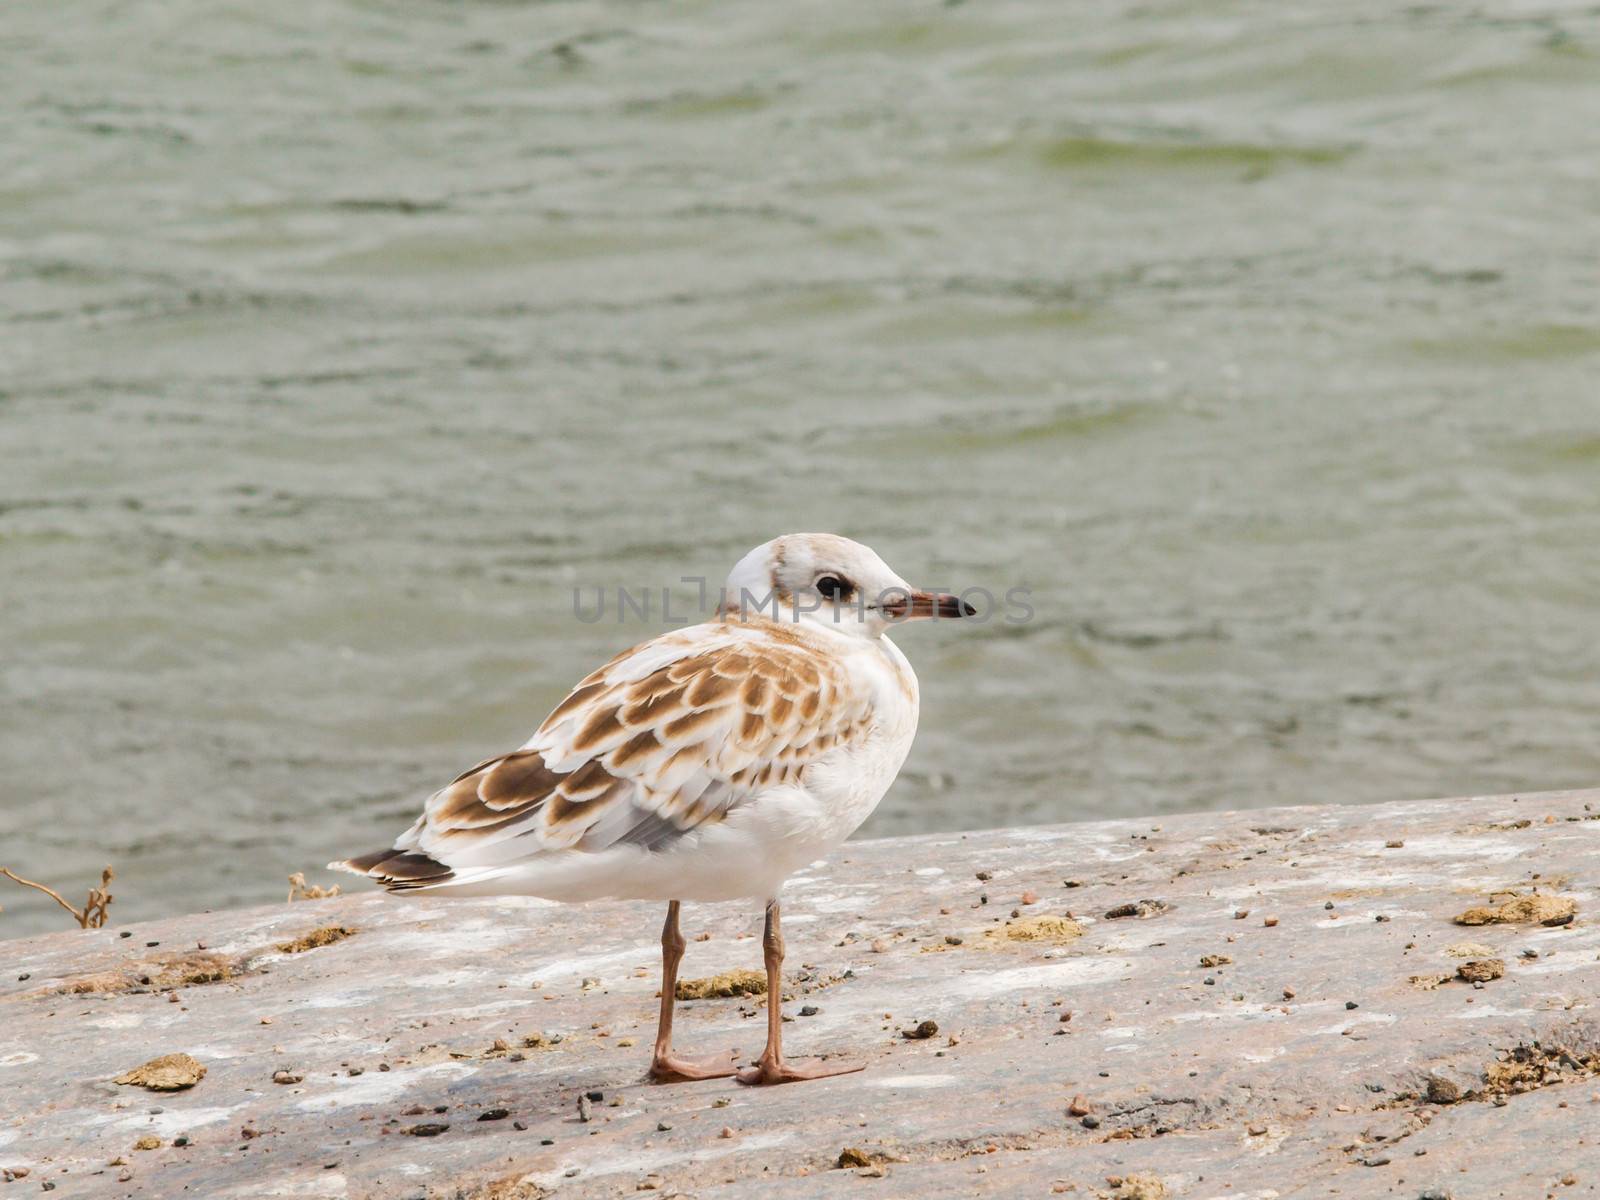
x,y
442,1048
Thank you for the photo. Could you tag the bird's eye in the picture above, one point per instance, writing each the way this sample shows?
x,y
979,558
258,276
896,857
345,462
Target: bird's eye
x,y
832,587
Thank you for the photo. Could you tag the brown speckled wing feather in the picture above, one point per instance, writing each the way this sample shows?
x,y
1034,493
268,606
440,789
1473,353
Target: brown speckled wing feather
x,y
665,738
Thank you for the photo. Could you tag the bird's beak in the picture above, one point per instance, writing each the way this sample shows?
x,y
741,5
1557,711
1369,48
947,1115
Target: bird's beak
x,y
912,606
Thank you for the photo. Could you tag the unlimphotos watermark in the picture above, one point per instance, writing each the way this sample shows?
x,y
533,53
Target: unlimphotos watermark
x,y
660,606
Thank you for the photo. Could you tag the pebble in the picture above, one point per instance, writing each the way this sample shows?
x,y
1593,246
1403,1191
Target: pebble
x,y
727,1132
1349,1004
924,1029
809,1010
494,1114
1090,1121
1269,922
584,1112
663,1126
1078,1108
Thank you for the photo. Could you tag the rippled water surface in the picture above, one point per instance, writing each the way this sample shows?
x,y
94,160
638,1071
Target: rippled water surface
x,y
339,341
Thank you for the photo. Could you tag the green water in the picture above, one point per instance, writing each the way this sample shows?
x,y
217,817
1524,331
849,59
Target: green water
x,y
339,341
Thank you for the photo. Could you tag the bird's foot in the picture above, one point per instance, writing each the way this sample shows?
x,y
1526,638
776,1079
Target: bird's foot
x,y
783,1070
673,1068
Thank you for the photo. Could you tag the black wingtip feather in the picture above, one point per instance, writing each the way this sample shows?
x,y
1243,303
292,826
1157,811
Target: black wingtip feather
x,y
398,870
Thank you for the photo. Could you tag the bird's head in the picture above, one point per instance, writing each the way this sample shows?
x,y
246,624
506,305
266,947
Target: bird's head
x,y
830,581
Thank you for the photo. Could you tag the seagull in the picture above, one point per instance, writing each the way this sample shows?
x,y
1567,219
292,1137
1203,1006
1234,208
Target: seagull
x,y
709,763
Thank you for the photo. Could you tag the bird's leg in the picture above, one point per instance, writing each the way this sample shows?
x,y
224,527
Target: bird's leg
x,y
772,1067
665,1066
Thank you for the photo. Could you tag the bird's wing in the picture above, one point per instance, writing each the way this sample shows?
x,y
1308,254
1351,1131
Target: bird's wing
x,y
668,736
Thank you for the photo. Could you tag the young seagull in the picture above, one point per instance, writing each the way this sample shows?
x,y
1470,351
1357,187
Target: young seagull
x,y
709,763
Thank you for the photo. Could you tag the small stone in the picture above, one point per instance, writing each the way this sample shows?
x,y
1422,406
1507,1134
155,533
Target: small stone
x,y
1288,993
287,1077
649,1183
924,1029
1269,922
494,1114
148,1142
1255,1130
951,939
985,876
879,945
1443,1091
429,1130
1140,908
1240,914
1482,970
853,1156
595,1096
1393,844
809,1010
727,1132
1078,1108
1350,1004
1090,1121
1030,897
663,1126
584,1111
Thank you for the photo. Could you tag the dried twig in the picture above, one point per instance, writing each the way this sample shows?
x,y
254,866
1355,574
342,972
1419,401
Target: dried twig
x,y
299,889
93,913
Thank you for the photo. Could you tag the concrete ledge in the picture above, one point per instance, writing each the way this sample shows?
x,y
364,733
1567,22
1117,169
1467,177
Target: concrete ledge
x,y
1311,1064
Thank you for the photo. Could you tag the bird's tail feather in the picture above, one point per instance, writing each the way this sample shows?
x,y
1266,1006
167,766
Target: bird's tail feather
x,y
398,870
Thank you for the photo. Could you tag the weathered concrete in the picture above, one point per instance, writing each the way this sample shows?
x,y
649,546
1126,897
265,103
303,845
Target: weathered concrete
x,y
1254,1078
